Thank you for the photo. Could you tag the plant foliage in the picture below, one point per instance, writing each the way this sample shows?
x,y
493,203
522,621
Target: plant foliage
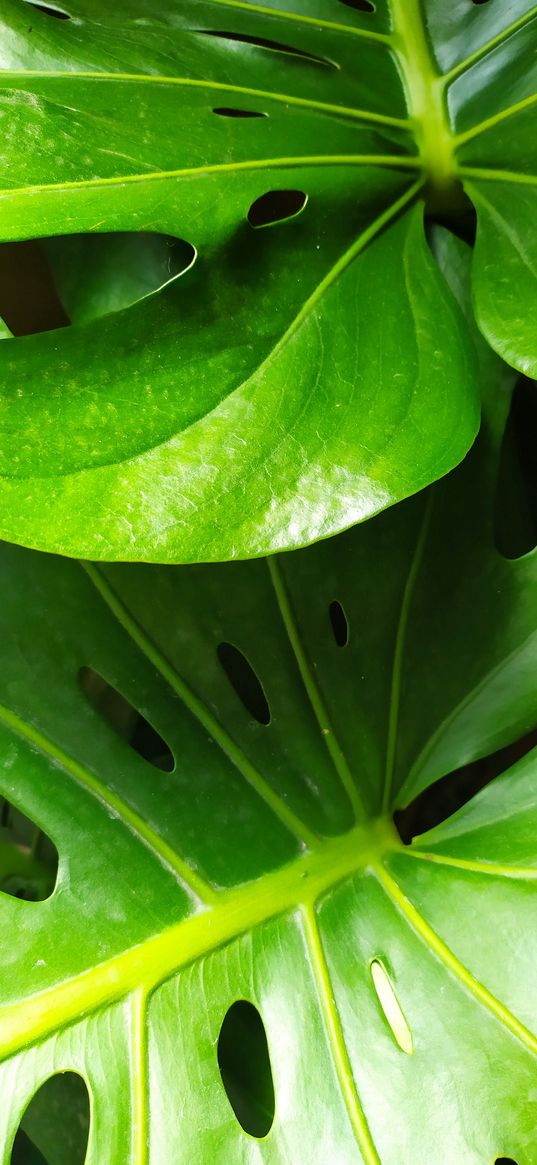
x,y
310,367
265,867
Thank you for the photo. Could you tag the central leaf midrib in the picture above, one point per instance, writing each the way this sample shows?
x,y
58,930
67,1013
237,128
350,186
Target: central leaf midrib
x,y
233,913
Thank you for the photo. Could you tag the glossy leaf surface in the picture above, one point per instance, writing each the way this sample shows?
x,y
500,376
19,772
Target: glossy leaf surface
x,y
299,376
265,867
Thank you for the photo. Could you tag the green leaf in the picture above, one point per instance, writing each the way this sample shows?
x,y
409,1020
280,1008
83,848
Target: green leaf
x,y
265,867
299,377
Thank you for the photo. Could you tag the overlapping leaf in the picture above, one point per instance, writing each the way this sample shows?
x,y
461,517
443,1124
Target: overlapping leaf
x,y
265,866
299,377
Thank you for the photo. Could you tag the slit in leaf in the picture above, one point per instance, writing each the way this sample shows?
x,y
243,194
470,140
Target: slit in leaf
x,y
359,5
274,45
515,510
244,682
391,1007
244,1063
48,10
340,626
28,857
126,720
55,1125
228,111
447,795
276,206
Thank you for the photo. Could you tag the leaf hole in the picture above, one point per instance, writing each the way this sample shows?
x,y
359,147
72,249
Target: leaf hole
x,y
225,111
28,857
447,795
261,42
48,10
126,721
276,206
391,1007
359,5
55,1125
340,626
244,681
504,1160
515,508
479,2
244,1063
29,301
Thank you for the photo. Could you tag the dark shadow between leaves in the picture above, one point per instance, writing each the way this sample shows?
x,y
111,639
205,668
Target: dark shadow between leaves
x,y
442,799
515,506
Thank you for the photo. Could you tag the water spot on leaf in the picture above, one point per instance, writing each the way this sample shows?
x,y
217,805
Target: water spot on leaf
x,y
391,1007
126,720
28,857
443,798
276,206
225,111
244,1063
274,45
244,681
359,5
48,10
55,1125
515,508
340,626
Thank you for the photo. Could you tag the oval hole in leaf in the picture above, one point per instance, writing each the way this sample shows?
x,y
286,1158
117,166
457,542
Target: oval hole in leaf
x,y
391,1007
478,2
55,1125
443,798
515,509
276,206
28,857
340,626
504,1160
48,10
244,1063
261,42
244,681
126,720
359,5
225,111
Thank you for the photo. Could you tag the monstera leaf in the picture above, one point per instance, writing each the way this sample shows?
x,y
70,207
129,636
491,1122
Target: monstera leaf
x,y
216,752
309,367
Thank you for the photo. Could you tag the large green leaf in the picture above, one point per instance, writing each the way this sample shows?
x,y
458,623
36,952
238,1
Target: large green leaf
x,y
265,867
299,377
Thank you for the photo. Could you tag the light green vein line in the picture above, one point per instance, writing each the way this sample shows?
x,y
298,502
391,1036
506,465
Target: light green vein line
x,y
454,966
314,695
497,176
160,956
342,111
483,51
336,1039
139,1077
365,33
497,119
198,709
112,801
395,693
218,168
492,869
